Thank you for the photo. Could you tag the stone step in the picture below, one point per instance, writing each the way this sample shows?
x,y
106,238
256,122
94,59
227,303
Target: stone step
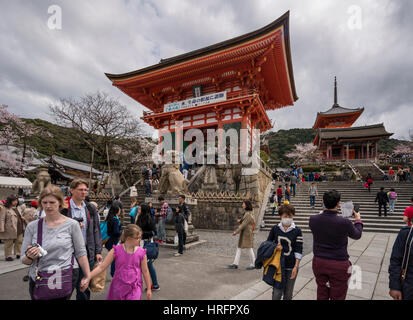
x,y
365,229
349,191
390,217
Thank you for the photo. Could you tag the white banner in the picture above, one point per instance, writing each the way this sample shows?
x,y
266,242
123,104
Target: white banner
x,y
196,102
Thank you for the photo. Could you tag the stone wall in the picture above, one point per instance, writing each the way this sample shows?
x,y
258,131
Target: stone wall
x,y
220,209
217,215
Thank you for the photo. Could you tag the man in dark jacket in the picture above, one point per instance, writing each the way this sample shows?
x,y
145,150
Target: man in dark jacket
x,y
331,265
182,215
382,198
89,221
401,248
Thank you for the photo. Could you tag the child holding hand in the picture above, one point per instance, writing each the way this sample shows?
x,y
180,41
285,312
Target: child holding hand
x,y
131,263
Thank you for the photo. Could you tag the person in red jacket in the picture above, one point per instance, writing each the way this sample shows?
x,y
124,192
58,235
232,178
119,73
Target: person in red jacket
x,y
408,214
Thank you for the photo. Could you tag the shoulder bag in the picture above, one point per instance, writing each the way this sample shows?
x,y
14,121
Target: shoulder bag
x,y
408,256
55,284
152,249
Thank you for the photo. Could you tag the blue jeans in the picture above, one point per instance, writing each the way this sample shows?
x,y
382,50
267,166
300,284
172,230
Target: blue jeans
x,y
161,230
148,189
152,272
287,291
312,201
391,204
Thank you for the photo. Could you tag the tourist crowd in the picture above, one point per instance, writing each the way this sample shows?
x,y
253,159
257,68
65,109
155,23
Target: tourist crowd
x,y
63,230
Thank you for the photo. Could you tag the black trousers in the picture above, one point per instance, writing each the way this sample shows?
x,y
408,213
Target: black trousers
x,y
83,295
75,277
385,209
181,237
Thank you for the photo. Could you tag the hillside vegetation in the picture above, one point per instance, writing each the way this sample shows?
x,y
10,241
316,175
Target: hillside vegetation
x,y
64,143
283,141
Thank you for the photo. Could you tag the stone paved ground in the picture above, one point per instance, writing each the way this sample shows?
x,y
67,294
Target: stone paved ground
x,y
224,243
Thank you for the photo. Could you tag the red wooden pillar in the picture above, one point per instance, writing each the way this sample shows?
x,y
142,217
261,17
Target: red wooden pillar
x,y
368,151
221,142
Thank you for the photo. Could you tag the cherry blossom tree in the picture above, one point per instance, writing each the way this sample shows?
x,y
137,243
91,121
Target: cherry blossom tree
x,y
403,150
9,162
8,120
303,153
15,132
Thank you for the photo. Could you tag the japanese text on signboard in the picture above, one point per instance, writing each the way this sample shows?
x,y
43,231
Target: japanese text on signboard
x,y
196,102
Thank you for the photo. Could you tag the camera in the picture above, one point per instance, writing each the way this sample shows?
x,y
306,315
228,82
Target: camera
x,y
78,219
42,252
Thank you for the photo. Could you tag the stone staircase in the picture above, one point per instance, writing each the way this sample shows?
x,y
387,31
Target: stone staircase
x,y
364,168
349,191
126,201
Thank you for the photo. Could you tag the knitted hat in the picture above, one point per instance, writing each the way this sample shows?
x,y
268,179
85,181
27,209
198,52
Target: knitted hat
x,y
94,204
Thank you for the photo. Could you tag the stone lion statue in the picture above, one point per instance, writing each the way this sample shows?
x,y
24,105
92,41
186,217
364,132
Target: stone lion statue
x,y
42,180
172,180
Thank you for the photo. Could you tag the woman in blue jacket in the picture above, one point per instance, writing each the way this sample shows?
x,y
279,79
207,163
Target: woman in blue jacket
x,y
114,232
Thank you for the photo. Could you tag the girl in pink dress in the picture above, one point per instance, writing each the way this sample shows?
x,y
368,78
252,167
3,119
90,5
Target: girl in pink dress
x,y
131,264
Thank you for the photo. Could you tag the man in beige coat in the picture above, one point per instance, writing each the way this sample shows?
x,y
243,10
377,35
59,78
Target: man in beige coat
x,y
246,237
11,228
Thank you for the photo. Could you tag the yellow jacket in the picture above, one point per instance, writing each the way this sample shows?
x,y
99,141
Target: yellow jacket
x,y
275,261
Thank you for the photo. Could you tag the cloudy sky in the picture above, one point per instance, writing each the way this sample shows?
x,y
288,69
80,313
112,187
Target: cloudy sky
x,y
367,44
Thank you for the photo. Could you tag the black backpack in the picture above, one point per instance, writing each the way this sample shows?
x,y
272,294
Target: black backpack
x,y
272,199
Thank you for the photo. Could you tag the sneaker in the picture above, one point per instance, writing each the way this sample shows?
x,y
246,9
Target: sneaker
x,y
9,259
250,268
232,266
155,288
178,254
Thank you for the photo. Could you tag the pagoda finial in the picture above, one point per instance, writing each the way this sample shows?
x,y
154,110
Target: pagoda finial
x,y
335,91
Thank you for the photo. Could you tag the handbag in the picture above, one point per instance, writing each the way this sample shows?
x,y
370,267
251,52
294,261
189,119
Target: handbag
x,y
186,227
51,285
97,284
408,256
152,249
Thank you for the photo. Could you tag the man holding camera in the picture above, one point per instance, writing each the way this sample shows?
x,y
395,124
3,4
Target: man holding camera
x,y
181,218
331,264
88,218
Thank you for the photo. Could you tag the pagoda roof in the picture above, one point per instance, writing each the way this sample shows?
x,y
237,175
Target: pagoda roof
x,y
272,40
336,109
337,116
72,164
365,132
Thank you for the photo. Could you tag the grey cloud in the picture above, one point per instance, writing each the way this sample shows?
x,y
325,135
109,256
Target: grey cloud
x,y
373,65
